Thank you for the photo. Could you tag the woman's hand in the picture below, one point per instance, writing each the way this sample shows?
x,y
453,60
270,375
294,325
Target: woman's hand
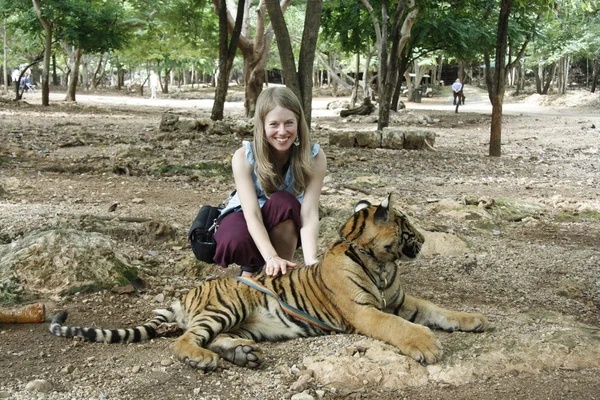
x,y
275,264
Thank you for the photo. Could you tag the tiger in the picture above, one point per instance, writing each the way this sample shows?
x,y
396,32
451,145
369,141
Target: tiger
x,y
355,288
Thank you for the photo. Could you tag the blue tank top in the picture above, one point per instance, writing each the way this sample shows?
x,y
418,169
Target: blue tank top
x,y
288,185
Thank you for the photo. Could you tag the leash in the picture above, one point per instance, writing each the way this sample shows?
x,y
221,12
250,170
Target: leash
x,y
292,311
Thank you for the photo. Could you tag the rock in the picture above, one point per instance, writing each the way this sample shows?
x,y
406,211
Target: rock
x,y
302,396
68,369
187,125
444,244
392,138
414,139
168,123
159,298
370,139
61,260
39,385
220,128
302,383
342,138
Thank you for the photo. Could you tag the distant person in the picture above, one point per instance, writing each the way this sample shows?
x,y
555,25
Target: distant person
x,y
457,88
15,75
153,84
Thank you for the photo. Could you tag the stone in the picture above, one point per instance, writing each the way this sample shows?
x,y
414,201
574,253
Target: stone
x,y
302,396
168,122
414,138
370,139
392,138
342,138
39,385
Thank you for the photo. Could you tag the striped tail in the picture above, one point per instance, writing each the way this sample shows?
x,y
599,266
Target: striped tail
x,y
140,333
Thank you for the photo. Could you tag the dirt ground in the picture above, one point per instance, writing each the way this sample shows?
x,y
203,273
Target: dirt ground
x,y
539,247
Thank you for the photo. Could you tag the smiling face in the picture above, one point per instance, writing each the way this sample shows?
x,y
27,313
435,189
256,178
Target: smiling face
x,y
281,129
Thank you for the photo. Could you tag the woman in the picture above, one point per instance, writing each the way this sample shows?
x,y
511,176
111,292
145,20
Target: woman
x,y
278,179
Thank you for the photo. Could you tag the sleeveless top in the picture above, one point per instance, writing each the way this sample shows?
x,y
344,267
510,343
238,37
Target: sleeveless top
x,y
288,186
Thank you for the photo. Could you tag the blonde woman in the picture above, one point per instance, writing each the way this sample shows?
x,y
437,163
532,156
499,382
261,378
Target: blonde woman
x,y
278,180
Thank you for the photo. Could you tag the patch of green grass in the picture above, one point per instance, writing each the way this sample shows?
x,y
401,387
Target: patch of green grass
x,y
582,216
515,210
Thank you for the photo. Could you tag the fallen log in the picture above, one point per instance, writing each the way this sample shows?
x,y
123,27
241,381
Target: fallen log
x,y
31,314
365,109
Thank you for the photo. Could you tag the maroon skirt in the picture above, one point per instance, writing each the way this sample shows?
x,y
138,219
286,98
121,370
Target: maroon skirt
x,y
234,243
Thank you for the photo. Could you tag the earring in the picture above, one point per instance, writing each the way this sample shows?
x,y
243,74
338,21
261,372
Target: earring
x,y
297,141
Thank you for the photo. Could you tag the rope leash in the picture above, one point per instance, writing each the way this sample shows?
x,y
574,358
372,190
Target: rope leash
x,y
292,311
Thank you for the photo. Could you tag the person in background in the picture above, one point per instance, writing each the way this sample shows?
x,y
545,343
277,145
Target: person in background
x,y
153,84
278,179
457,88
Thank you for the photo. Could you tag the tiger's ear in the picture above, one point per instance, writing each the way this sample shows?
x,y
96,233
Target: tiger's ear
x,y
361,204
383,211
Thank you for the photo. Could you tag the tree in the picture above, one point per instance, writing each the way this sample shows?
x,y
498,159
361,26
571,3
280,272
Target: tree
x,y
92,26
226,56
47,25
388,58
255,51
299,82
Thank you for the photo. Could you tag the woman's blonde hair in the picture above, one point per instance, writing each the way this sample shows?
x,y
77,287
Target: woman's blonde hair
x,y
270,177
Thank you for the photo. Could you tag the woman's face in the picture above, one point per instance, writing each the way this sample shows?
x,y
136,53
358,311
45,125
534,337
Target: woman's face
x,y
281,128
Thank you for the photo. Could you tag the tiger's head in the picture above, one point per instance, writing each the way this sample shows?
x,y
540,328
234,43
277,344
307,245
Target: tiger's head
x,y
384,231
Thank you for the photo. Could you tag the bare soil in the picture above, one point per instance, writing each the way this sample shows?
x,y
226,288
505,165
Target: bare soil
x,y
67,164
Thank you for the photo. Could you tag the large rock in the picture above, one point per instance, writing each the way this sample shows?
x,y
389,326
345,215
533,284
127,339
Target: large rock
x,y
408,138
418,138
63,260
531,343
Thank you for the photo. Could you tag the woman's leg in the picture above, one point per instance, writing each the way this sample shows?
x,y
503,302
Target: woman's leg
x,y
281,216
284,238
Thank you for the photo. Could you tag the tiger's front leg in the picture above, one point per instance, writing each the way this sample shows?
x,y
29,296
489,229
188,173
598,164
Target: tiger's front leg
x,y
237,350
189,350
426,313
413,340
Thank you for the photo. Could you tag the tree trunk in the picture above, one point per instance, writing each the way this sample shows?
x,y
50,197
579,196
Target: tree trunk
x,y
399,36
226,56
595,76
255,53
354,97
74,76
310,34
96,75
47,54
5,62
495,149
284,44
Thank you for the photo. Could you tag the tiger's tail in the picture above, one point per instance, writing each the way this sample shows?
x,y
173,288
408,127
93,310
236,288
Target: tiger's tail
x,y
140,333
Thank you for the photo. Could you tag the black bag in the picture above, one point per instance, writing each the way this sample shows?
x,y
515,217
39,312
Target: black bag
x,y
203,229
202,233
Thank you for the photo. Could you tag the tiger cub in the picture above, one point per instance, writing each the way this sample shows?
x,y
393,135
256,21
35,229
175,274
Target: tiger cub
x,y
354,289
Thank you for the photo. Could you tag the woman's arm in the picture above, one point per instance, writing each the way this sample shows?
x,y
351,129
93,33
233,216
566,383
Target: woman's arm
x,y
242,173
310,210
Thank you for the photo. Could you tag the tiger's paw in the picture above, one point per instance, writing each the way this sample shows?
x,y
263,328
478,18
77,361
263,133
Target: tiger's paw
x,y
195,356
241,352
421,344
466,322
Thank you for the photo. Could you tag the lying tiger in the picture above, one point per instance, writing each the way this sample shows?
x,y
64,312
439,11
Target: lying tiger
x,y
355,289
